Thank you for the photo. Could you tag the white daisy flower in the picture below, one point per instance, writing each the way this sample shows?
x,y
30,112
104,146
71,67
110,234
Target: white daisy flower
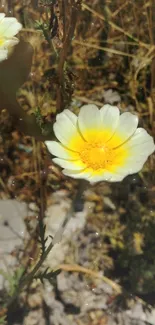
x,y
100,144
9,27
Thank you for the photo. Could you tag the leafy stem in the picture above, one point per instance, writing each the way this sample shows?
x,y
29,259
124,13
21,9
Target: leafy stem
x,y
35,273
27,279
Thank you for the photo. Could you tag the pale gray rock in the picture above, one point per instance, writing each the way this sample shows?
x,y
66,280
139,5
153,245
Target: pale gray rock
x,y
55,216
138,313
35,317
12,226
12,233
111,96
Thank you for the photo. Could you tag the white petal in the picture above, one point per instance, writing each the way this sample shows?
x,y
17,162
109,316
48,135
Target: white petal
x,y
10,43
110,119
71,116
77,174
2,15
126,127
131,167
65,128
103,176
59,151
116,177
68,164
93,177
142,151
3,55
9,27
89,119
141,144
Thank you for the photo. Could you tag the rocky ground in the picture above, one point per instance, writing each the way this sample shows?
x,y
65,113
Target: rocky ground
x,y
81,294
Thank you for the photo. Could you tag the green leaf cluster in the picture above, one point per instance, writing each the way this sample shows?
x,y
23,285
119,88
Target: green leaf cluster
x,y
48,275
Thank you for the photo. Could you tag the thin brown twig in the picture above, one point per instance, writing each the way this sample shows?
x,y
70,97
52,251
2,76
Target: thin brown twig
x,y
74,6
116,12
88,101
64,3
106,49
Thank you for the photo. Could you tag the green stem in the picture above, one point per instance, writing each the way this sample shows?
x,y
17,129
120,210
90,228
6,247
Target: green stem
x,y
28,278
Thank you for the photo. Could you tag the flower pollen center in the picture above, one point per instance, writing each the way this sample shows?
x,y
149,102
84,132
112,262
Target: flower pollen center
x,y
96,155
1,41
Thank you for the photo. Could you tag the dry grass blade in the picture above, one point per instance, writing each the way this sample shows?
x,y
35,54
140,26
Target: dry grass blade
x,y
78,268
106,49
116,27
115,286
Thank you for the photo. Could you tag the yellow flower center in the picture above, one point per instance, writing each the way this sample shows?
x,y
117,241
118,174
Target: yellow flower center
x,y
1,41
97,155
